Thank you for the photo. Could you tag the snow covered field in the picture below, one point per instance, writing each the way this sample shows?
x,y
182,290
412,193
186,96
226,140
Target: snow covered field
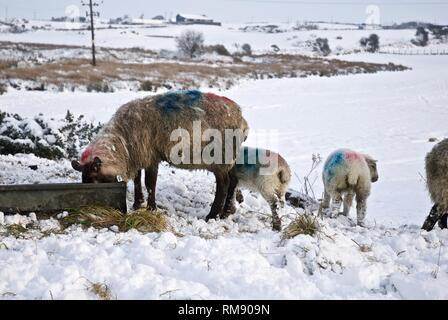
x,y
229,34
390,115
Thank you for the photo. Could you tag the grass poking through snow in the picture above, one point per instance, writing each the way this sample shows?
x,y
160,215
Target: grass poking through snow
x,y
306,224
100,217
15,230
101,290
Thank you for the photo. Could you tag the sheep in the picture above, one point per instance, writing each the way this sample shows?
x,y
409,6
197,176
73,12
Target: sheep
x,y
261,171
168,127
436,164
348,173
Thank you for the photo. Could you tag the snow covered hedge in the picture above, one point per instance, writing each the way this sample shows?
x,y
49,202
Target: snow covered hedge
x,y
45,137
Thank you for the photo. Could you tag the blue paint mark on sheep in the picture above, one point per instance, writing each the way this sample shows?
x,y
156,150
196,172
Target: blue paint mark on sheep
x,y
177,100
249,159
335,160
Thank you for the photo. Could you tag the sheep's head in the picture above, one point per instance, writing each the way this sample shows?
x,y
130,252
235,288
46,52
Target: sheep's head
x,y
93,172
372,167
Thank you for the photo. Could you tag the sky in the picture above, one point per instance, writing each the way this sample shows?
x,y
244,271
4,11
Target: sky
x,y
229,11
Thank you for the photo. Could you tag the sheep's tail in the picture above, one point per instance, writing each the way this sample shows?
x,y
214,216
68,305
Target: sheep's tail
x,y
283,175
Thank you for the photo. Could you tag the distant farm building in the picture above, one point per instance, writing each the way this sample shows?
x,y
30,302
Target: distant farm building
x,y
195,19
146,22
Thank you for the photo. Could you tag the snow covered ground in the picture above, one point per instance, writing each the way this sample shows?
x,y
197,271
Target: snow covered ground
x,y
237,258
388,115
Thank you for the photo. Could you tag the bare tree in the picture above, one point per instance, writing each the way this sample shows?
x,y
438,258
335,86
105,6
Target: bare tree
x,y
190,43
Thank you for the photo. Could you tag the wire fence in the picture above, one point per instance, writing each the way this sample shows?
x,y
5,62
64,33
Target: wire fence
x,y
415,52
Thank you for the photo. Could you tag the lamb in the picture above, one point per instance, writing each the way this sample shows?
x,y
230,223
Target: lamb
x,y
169,127
348,173
437,183
261,171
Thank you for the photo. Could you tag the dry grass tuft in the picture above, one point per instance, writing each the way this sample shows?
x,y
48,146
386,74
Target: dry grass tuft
x,y
101,217
146,221
304,224
101,290
15,230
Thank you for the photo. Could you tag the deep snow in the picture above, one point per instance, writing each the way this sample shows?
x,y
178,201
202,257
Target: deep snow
x,y
237,258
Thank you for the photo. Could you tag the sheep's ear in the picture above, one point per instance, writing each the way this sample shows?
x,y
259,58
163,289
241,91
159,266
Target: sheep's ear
x,y
96,165
76,165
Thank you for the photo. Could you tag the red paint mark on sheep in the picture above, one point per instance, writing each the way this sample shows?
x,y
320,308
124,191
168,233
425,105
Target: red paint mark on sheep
x,y
86,156
352,156
215,98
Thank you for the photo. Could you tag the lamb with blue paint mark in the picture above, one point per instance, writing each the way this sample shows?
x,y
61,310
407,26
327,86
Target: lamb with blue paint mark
x,y
262,171
347,174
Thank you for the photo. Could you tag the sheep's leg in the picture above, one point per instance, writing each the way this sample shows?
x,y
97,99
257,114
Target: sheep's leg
x,y
432,218
276,222
239,196
325,204
443,221
138,193
222,186
326,200
151,182
361,208
229,206
348,200
274,203
337,202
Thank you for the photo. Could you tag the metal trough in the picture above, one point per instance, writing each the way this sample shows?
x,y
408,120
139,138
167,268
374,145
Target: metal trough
x,y
61,196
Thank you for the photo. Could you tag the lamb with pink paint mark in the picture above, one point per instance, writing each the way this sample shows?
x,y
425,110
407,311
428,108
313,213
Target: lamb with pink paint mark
x,y
347,174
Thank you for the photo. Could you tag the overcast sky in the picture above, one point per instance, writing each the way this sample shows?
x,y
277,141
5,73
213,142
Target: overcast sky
x,y
246,10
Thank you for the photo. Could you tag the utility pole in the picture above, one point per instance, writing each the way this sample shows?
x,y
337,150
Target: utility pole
x,y
92,29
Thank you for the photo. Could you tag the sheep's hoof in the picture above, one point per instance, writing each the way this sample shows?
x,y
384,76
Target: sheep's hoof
x,y
138,205
362,224
239,196
276,224
151,207
231,209
207,218
431,219
443,221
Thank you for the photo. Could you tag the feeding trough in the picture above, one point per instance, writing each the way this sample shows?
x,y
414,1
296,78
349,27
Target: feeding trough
x,y
50,198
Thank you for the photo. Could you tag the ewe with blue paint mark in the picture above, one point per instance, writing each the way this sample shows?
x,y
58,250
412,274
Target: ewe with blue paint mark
x,y
139,136
348,173
176,100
